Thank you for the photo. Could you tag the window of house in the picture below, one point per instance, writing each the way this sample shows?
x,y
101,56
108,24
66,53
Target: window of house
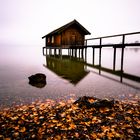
x,y
52,39
48,39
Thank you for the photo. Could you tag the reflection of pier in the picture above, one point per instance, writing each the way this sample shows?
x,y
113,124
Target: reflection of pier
x,y
81,53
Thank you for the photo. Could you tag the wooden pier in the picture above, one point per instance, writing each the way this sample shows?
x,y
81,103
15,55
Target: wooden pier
x,y
81,52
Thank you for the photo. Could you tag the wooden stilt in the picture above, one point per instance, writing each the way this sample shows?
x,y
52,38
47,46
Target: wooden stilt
x,y
85,54
82,53
61,53
76,53
79,53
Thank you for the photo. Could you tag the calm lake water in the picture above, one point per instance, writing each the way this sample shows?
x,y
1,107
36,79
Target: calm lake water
x,y
65,78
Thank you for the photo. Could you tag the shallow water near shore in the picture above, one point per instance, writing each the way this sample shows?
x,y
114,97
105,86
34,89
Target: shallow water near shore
x,y
65,78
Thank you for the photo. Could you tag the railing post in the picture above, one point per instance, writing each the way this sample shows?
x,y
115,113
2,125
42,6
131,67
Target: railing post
x,y
114,59
93,59
85,42
122,56
100,55
43,50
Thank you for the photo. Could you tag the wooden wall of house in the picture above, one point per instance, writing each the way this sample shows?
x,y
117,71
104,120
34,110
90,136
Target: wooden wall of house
x,y
57,40
72,36
54,40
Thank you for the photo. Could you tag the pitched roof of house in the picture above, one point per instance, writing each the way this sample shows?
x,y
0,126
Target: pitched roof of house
x,y
61,29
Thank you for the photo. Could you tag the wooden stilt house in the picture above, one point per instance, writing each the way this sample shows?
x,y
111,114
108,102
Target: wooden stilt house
x,y
69,35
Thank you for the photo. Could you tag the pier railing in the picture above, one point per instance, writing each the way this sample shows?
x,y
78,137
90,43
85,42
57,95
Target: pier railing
x,y
123,41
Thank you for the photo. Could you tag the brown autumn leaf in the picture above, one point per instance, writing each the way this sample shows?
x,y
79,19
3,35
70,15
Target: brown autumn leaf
x,y
72,126
93,135
105,128
7,138
16,134
23,129
104,109
110,135
59,124
16,127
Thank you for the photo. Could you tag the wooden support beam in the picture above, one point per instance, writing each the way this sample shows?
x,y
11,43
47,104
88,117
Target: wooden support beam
x,y
68,52
79,53
85,54
61,53
75,53
82,53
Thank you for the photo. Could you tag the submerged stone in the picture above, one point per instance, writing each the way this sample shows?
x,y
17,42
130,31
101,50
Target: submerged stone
x,y
38,80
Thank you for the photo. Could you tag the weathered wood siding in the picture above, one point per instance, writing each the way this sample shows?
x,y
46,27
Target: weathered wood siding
x,y
57,40
72,36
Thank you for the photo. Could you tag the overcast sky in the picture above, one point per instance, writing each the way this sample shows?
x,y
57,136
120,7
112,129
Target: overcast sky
x,y
26,21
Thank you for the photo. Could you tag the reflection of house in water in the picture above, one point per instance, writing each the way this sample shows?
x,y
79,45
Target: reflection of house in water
x,y
69,69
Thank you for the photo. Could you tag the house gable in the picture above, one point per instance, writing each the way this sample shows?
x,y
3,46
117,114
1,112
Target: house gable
x,y
70,34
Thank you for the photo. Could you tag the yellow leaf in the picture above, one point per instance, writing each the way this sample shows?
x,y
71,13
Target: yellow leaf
x,y
16,134
94,119
23,129
87,123
128,118
62,103
130,131
93,135
63,114
72,126
130,111
57,137
104,109
64,127
51,125
16,127
14,118
105,128
91,100
118,135
59,124
7,139
110,135
54,121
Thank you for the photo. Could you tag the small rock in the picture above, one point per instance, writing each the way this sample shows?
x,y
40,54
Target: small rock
x,y
38,80
103,103
84,101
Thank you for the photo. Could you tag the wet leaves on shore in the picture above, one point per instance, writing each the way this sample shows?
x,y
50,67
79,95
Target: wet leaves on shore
x,y
86,118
